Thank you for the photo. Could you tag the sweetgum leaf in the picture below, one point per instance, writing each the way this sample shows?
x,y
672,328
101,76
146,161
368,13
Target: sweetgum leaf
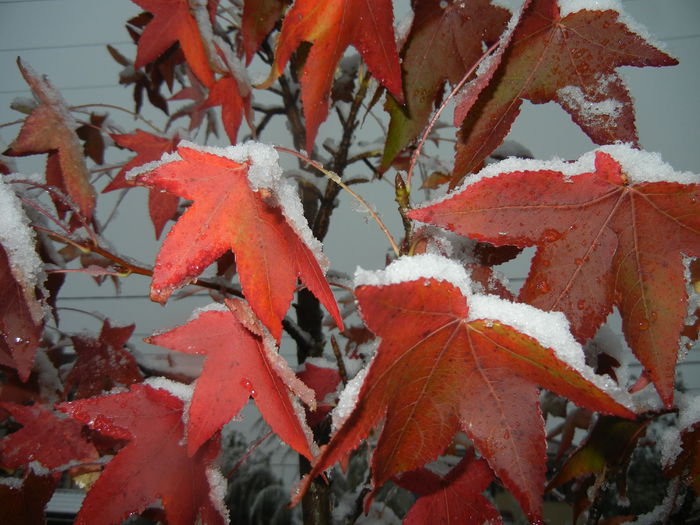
x,y
602,242
259,18
238,365
20,331
154,464
436,372
458,494
444,43
51,129
44,437
331,27
25,504
228,214
571,61
102,363
162,206
173,22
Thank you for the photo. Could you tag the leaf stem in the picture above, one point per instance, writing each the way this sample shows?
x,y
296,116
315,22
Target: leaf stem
x,y
433,121
335,178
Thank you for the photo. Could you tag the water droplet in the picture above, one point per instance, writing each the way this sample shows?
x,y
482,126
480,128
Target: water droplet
x,y
581,304
653,317
546,262
579,261
245,383
643,324
543,287
443,4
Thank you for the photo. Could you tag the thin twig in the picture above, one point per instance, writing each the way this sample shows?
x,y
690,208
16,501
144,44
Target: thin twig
x,y
119,108
335,178
433,121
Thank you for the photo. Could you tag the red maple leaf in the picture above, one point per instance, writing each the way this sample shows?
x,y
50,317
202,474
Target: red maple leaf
x,y
457,495
323,381
225,93
227,213
162,206
259,18
332,27
20,326
438,369
154,464
444,43
602,242
51,129
44,437
239,364
102,363
571,60
173,22
22,505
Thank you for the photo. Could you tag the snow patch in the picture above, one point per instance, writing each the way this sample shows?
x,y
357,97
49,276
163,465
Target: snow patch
x,y
217,492
348,399
18,241
567,7
427,266
593,113
180,390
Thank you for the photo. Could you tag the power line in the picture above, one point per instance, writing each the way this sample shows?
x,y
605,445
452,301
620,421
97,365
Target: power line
x,y
64,46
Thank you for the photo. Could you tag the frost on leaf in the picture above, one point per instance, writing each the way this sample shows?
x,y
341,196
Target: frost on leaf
x,y
240,203
441,368
21,311
571,60
609,231
45,438
239,364
51,129
154,464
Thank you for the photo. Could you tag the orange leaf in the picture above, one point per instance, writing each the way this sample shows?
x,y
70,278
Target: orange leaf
x,y
227,213
606,237
332,27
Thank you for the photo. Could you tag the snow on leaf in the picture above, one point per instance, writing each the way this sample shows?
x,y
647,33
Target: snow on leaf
x,y
154,464
331,27
44,437
439,369
102,363
21,312
239,364
569,59
240,204
444,43
51,129
173,22
605,238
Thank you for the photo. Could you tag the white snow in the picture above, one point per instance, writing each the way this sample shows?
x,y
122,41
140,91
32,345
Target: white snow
x,y
264,172
567,7
18,241
429,266
283,370
217,491
638,165
180,390
593,113
550,329
211,307
348,399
